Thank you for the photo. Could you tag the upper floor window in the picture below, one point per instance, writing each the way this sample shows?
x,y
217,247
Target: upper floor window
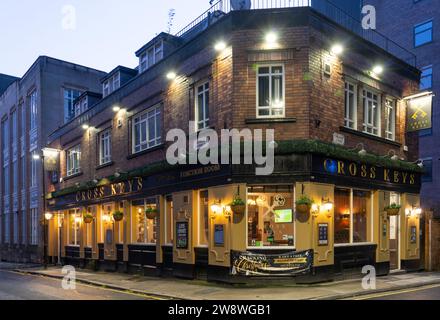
x,y
390,119
371,112
147,129
73,160
112,84
70,95
150,57
34,161
5,135
34,110
423,33
81,106
202,106
270,91
426,79
350,106
105,147
14,127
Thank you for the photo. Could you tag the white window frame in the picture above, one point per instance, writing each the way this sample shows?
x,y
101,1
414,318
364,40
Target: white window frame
x,y
368,124
202,123
105,147
106,88
71,97
156,54
33,171
351,119
271,107
142,119
390,129
73,160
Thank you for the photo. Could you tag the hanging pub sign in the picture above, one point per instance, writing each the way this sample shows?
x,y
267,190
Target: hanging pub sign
x,y
51,159
288,264
419,113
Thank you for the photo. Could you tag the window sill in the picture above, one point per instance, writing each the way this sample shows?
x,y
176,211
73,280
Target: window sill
x,y
76,175
360,244
369,136
142,153
102,166
270,120
271,248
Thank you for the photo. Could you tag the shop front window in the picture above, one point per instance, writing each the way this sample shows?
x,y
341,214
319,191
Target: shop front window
x,y
270,217
74,227
89,227
145,229
169,218
203,218
351,216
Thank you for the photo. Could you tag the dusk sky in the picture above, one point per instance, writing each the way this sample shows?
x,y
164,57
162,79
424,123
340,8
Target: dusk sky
x,y
106,33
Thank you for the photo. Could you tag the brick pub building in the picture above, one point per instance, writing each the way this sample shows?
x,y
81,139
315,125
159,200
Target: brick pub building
x,y
340,133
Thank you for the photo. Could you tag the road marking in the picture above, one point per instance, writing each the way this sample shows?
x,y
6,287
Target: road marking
x,y
394,293
78,283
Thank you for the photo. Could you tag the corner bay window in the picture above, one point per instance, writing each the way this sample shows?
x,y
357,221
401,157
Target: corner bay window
x,y
270,217
390,119
105,147
270,91
147,129
144,230
202,107
350,106
73,160
371,112
352,214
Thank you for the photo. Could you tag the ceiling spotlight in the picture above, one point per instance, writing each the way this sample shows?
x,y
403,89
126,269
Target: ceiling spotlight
x,y
337,49
85,126
36,156
116,108
220,46
171,75
378,70
271,38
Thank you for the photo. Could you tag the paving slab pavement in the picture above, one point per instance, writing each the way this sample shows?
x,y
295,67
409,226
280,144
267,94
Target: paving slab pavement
x,y
200,290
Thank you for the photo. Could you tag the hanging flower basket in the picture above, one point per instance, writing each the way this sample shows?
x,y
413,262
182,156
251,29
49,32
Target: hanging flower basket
x,y
151,213
238,206
88,218
393,210
304,205
118,216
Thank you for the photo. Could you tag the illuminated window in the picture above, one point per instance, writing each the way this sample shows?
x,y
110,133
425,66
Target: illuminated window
x,y
351,216
74,227
145,229
203,218
271,217
270,91
169,220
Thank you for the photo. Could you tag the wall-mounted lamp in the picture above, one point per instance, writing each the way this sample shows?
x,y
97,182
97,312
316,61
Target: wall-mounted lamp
x,y
337,49
217,209
48,216
106,217
326,206
361,147
78,219
413,212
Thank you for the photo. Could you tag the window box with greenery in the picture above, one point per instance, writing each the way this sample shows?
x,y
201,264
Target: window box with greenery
x,y
238,206
393,209
151,213
118,216
304,205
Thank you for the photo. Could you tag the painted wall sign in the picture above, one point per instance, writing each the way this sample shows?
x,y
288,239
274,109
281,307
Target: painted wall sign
x,y
114,189
182,235
289,264
219,235
323,234
349,169
419,113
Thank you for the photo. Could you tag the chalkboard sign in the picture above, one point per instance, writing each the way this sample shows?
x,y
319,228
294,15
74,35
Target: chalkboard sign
x,y
219,235
182,235
323,234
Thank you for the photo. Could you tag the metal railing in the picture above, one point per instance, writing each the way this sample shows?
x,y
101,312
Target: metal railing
x,y
324,7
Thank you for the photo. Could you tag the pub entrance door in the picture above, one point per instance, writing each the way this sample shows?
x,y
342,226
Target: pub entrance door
x,y
394,243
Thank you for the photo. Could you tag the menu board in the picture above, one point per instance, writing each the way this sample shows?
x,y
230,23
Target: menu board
x,y
219,235
182,235
413,235
323,234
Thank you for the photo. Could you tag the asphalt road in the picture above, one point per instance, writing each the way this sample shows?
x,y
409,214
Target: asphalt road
x,y
423,293
16,286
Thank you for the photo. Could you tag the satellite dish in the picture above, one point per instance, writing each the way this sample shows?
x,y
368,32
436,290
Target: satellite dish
x,y
241,4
